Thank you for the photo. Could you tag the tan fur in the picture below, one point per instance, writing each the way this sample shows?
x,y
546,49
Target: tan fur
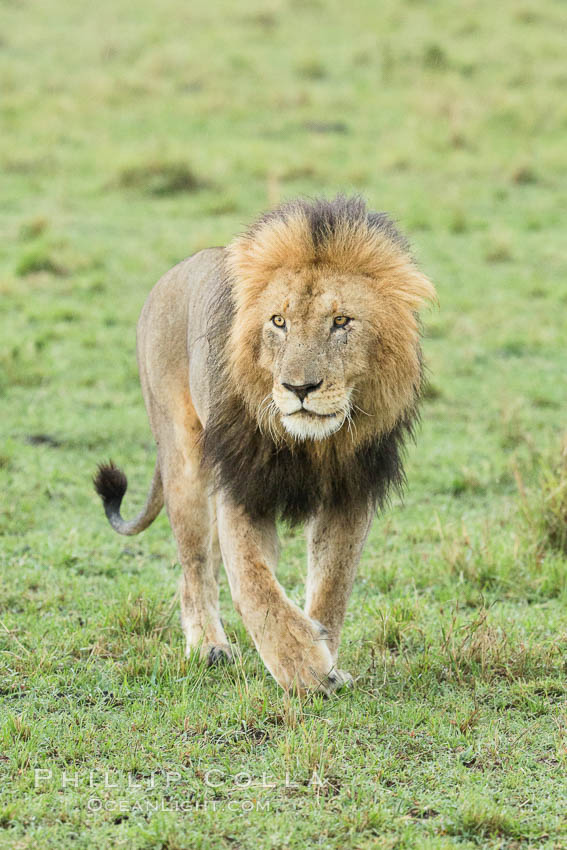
x,y
369,372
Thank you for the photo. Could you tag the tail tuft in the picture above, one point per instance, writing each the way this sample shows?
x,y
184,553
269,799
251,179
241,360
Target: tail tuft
x,y
110,483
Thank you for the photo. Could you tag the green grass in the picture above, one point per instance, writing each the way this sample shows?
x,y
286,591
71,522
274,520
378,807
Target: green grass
x,y
135,134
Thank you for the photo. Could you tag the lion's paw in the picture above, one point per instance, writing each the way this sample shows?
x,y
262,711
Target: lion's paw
x,y
217,655
339,679
211,654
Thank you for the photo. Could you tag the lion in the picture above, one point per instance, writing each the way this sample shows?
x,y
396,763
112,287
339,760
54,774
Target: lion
x,y
281,376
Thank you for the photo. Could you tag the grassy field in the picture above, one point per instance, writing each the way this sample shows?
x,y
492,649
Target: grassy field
x,y
135,134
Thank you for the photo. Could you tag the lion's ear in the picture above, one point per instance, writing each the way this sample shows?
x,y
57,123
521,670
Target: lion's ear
x,y
274,243
406,284
420,290
242,267
238,255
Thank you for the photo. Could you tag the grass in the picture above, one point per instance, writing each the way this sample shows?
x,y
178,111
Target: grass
x,y
551,514
135,135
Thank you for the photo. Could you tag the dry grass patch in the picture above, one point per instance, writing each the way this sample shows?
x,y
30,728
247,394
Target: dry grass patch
x,y
486,651
161,178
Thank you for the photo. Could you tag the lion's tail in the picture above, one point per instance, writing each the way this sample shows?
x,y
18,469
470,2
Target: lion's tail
x,y
110,483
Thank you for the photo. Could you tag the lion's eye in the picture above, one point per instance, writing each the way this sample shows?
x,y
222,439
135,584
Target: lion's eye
x,y
341,321
278,321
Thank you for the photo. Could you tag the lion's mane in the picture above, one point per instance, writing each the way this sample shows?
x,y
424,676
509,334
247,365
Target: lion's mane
x,y
280,477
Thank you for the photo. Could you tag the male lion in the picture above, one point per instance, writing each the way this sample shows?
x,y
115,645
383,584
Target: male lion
x,y
281,376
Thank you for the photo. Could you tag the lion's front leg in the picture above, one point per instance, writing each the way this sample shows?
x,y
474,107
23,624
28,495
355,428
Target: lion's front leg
x,y
292,646
335,543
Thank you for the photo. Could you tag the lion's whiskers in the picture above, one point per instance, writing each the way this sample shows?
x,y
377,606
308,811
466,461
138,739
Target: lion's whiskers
x,y
349,419
268,412
351,426
272,413
266,417
263,411
357,406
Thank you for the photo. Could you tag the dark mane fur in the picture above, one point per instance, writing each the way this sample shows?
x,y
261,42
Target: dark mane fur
x,y
286,481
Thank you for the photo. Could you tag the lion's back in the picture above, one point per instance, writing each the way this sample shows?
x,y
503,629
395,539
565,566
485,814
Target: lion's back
x,y
173,321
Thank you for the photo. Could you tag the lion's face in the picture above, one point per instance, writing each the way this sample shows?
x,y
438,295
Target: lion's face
x,y
330,352
325,337
316,343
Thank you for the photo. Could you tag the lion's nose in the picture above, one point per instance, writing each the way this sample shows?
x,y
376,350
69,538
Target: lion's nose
x,y
301,390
